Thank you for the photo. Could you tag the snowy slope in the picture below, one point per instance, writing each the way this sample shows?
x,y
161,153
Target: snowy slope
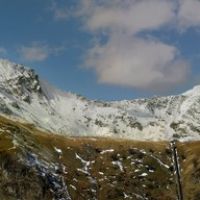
x,y
25,97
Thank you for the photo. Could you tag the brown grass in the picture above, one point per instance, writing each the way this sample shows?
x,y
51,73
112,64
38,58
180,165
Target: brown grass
x,y
159,185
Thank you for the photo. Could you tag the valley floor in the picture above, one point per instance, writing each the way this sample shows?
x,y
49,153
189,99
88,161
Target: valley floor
x,y
37,165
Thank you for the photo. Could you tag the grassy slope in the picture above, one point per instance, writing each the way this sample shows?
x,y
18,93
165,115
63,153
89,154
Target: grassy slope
x,y
134,170
190,166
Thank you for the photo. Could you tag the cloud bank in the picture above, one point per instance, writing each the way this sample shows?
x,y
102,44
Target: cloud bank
x,y
189,13
36,52
126,58
138,63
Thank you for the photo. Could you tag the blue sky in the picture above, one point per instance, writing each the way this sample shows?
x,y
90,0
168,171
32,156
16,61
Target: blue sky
x,y
106,50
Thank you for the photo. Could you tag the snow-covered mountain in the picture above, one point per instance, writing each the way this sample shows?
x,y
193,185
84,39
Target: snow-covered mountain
x,y
24,96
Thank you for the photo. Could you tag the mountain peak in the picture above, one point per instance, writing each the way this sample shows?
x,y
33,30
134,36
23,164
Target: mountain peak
x,y
18,80
193,92
9,69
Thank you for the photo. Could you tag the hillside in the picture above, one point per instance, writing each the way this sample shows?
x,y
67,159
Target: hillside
x,y
38,165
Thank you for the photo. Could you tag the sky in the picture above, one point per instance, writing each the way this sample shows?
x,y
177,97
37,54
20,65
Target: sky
x,y
106,50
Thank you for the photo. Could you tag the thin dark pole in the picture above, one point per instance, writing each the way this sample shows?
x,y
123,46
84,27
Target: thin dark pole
x,y
177,170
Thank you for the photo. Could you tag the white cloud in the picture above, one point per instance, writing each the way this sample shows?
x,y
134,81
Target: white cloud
x,y
3,51
126,58
38,52
189,13
138,63
134,15
129,16
34,53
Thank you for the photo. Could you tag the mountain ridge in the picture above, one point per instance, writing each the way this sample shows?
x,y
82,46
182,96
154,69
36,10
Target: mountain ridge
x,y
25,96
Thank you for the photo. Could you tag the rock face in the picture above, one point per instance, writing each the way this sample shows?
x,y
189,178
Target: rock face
x,y
24,96
27,170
